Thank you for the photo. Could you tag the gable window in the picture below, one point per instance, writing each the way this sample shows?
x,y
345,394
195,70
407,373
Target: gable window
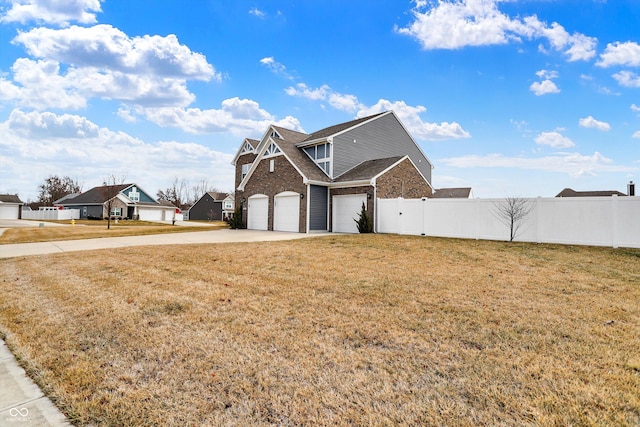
x,y
321,154
245,169
272,150
134,195
275,134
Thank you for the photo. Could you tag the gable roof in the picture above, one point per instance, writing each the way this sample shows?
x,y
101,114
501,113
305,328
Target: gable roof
x,y
252,142
568,192
452,193
96,195
10,198
332,130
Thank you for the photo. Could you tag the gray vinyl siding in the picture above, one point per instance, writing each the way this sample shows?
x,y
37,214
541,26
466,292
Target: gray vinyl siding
x,y
206,209
318,208
380,138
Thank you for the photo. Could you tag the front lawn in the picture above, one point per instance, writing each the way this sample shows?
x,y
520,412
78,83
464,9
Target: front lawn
x,y
335,330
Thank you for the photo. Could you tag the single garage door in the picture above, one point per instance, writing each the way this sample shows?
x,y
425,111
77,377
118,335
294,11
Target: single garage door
x,y
258,212
286,212
345,210
9,212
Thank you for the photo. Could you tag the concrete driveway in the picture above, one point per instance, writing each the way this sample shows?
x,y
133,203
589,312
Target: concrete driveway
x,y
188,238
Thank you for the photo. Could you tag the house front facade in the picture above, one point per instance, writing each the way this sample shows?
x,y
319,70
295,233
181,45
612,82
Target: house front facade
x,y
127,201
297,182
212,206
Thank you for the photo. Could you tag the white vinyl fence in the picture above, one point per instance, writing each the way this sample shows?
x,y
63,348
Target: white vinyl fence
x,y
52,214
598,221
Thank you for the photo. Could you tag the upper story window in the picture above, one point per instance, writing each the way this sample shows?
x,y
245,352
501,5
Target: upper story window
x,y
245,169
321,154
134,195
272,150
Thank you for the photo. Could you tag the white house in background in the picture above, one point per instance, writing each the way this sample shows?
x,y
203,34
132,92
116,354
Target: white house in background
x,y
10,206
129,201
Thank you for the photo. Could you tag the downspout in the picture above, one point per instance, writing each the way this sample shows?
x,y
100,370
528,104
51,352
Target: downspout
x,y
375,205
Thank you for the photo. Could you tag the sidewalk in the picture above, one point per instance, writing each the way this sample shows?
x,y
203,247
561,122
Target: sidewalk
x,y
21,401
187,238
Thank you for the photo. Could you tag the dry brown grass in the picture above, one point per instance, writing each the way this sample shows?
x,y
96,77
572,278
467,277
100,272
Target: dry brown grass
x,y
96,229
337,330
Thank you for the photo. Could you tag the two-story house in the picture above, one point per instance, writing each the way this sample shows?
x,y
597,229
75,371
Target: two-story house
x,y
292,181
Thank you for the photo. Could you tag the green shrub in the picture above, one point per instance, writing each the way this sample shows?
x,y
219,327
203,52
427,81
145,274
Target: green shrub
x,y
364,221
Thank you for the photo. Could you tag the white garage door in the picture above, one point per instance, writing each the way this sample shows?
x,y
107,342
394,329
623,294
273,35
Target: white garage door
x,y
286,212
9,212
150,214
258,212
345,210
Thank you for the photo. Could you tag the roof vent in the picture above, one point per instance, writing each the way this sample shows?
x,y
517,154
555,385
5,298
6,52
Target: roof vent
x,y
631,189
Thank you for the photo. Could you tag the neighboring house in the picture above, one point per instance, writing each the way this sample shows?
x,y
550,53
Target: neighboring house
x,y
128,202
568,192
453,193
10,206
292,181
212,206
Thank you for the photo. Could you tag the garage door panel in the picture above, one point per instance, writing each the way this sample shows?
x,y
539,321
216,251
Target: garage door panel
x,y
286,216
345,210
9,212
258,213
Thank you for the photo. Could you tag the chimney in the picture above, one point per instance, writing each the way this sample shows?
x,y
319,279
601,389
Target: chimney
x,y
631,189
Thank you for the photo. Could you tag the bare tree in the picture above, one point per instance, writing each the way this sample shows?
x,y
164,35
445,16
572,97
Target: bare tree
x,y
181,194
511,212
55,188
110,189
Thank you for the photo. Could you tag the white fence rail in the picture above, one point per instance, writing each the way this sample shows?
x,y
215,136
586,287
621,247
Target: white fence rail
x,y
52,214
598,221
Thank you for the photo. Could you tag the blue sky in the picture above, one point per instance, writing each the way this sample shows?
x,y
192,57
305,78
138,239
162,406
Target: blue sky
x,y
511,98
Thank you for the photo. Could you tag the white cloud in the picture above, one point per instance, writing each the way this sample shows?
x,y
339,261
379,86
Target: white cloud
x,y
627,53
547,74
59,12
627,79
241,117
107,48
303,91
573,164
636,134
454,24
410,117
635,108
544,88
276,67
554,139
256,12
49,125
42,86
35,145
590,122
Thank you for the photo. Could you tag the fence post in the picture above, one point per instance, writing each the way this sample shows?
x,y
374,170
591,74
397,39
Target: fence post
x,y
614,221
538,214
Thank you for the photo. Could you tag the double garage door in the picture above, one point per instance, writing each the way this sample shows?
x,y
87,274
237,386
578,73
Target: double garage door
x,y
286,212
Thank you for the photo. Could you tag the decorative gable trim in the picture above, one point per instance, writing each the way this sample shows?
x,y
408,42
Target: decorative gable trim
x,y
246,148
374,179
270,144
272,150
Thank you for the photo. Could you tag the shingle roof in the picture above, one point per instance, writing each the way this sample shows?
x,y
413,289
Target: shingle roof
x,y
96,195
10,198
367,170
254,142
452,193
331,130
568,192
287,144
